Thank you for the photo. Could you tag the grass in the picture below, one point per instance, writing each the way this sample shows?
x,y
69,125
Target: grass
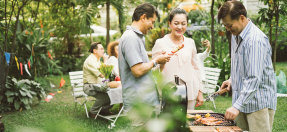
x,y
59,116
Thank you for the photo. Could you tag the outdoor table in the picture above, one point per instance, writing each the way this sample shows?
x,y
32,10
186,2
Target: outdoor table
x,y
115,95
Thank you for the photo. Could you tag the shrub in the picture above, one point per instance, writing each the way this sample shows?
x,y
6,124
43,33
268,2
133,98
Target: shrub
x,y
19,94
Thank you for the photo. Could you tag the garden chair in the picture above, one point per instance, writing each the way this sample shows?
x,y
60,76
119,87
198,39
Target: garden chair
x,y
210,84
76,78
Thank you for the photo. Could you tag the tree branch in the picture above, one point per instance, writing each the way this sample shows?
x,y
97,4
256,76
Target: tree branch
x,y
36,12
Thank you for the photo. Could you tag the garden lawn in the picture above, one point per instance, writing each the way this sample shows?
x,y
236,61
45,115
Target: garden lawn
x,y
59,116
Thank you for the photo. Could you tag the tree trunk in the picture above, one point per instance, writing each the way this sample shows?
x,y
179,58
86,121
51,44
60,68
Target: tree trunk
x,y
121,19
108,23
121,24
212,30
6,31
3,74
276,6
8,25
16,26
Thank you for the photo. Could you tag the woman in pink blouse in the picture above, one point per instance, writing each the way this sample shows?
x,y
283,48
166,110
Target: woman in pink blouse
x,y
184,62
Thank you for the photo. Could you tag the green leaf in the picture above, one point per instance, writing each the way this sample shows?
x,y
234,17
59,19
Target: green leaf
x,y
27,106
29,95
23,93
9,86
24,100
20,84
28,47
14,80
33,93
10,99
17,104
1,97
9,93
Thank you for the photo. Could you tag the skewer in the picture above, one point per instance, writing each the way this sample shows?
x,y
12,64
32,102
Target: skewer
x,y
176,49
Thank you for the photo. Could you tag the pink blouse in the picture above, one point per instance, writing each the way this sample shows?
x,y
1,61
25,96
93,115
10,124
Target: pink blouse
x,y
183,63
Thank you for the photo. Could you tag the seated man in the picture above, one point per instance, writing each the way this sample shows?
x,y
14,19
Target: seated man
x,y
92,78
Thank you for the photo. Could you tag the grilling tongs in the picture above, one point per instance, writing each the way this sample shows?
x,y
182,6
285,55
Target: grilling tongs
x,y
213,96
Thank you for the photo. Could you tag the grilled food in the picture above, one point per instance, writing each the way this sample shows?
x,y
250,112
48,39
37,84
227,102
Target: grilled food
x,y
210,121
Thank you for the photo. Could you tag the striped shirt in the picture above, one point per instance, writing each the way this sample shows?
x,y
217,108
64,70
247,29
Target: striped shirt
x,y
252,75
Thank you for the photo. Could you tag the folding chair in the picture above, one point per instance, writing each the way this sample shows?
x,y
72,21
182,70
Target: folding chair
x,y
112,118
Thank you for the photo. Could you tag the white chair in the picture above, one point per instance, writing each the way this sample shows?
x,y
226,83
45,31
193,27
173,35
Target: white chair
x,y
76,78
210,84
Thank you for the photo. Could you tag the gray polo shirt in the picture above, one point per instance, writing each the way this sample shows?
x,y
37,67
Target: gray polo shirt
x,y
131,52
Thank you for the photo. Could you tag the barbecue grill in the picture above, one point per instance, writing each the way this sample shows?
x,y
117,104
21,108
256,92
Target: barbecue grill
x,y
174,102
218,116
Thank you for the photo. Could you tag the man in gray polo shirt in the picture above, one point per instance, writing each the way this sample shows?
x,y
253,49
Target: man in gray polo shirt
x,y
139,89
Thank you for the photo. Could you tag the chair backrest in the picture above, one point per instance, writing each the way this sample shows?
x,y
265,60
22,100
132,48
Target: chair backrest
x,y
76,78
212,75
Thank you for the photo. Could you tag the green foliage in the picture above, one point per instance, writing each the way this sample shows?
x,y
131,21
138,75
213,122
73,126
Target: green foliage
x,y
197,16
38,41
20,93
44,83
197,35
72,63
155,34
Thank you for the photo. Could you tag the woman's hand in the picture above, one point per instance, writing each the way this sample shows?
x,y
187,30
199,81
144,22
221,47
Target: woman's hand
x,y
199,99
101,76
206,43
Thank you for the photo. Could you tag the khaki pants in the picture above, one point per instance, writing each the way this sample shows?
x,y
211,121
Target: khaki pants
x,y
259,121
139,115
102,99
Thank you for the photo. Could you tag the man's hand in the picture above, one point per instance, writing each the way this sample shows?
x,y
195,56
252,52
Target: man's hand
x,y
227,84
199,99
231,113
162,58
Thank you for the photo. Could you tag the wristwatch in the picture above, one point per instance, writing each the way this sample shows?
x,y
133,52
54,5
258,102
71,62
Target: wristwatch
x,y
154,63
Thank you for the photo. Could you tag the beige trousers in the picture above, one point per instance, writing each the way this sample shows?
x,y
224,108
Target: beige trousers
x,y
139,115
259,121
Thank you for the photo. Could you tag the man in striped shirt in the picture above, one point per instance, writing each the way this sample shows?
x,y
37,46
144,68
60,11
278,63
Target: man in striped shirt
x,y
252,76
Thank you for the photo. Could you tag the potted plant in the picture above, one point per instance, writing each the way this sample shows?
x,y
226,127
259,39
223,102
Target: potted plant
x,y
220,30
